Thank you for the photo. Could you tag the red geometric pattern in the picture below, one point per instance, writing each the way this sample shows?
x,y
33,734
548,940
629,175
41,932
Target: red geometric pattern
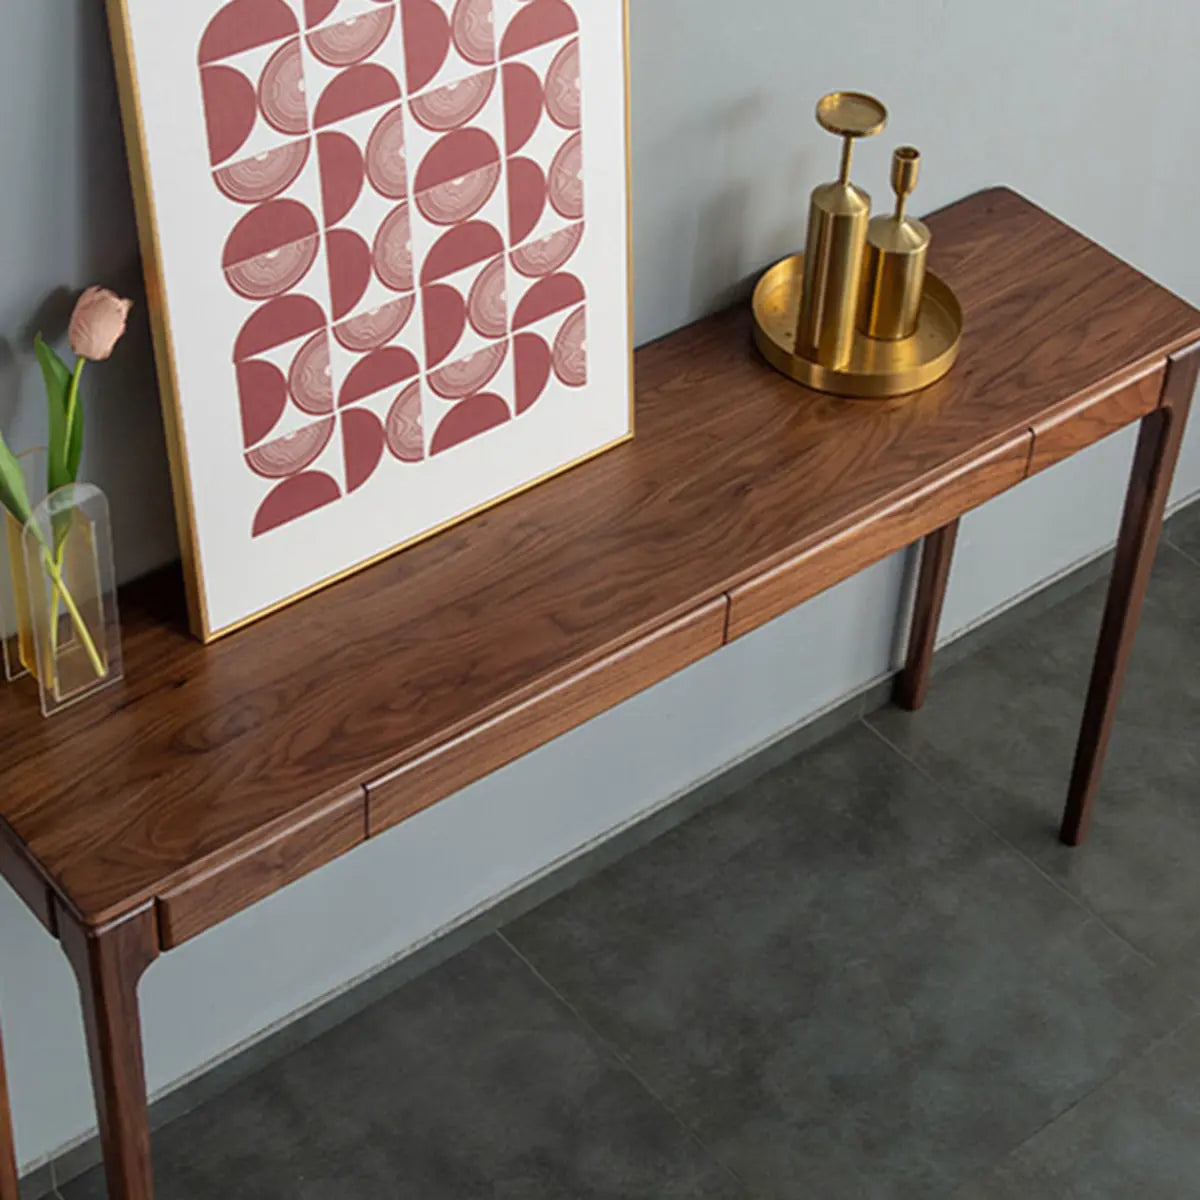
x,y
405,190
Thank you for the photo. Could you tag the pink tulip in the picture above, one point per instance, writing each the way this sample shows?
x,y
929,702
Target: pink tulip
x,y
98,323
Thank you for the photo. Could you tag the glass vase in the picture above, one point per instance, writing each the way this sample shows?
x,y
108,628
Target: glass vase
x,y
69,613
19,651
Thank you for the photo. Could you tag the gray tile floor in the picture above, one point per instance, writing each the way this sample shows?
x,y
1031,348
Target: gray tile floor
x,y
873,972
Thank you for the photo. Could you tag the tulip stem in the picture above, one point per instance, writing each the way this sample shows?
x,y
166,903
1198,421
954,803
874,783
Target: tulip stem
x,y
58,562
60,590
72,408
85,635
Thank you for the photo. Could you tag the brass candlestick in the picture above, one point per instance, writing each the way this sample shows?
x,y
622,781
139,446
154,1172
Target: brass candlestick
x,y
837,226
858,313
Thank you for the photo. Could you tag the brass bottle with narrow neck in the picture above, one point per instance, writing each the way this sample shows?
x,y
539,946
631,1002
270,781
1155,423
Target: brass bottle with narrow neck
x,y
837,230
897,254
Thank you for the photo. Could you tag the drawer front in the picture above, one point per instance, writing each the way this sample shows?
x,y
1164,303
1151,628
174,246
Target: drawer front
x,y
541,718
877,535
254,872
1083,422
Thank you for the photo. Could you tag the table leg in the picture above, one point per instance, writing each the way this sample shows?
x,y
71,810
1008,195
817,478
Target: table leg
x,y
936,555
109,963
1149,483
8,1150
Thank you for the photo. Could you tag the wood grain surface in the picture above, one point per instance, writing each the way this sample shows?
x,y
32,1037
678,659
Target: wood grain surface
x,y
735,474
24,879
109,964
937,557
259,867
1071,427
546,715
1150,477
915,511
9,1183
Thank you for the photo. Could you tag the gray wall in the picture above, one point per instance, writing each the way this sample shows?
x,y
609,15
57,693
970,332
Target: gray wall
x,y
1088,108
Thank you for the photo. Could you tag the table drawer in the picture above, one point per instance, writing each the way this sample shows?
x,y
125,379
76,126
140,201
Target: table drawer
x,y
1082,422
876,535
541,718
252,873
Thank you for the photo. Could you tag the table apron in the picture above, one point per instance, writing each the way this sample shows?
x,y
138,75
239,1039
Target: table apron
x,y
885,530
506,737
24,879
261,868
1076,426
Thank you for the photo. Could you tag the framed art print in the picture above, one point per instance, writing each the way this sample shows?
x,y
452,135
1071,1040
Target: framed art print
x,y
387,252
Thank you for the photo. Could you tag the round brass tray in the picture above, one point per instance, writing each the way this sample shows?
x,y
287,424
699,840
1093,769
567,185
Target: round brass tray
x,y
877,368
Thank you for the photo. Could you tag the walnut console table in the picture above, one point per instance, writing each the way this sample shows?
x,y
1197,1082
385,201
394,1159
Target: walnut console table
x,y
213,776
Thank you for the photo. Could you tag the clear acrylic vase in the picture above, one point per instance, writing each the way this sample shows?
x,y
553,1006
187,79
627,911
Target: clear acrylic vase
x,y
19,651
69,633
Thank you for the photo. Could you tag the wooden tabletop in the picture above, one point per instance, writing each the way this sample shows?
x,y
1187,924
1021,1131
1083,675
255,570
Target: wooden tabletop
x,y
212,775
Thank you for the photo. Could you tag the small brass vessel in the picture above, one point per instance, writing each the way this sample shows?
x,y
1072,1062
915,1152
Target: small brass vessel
x,y
897,251
858,313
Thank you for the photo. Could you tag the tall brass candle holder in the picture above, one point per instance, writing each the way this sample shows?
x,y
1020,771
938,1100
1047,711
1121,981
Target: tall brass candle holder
x,y
858,313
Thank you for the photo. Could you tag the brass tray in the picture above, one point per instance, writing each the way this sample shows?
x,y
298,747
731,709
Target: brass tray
x,y
877,368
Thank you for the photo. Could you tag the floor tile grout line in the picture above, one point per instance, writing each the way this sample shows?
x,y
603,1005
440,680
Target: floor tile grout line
x,y
623,1061
1181,551
1106,1082
985,824
627,1066
1076,900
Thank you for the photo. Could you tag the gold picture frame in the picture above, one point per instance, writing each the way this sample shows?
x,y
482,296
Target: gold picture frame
x,y
200,617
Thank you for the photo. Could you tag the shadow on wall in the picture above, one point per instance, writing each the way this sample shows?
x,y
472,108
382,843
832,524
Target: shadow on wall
x,y
51,317
719,275
735,238
125,449
744,222
9,384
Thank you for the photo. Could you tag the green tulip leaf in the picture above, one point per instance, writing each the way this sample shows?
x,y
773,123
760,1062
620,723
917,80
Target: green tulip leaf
x,y
13,495
54,370
58,386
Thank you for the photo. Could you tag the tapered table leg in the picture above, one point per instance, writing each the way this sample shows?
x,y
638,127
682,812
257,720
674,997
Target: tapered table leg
x,y
912,683
1149,483
109,963
8,1150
